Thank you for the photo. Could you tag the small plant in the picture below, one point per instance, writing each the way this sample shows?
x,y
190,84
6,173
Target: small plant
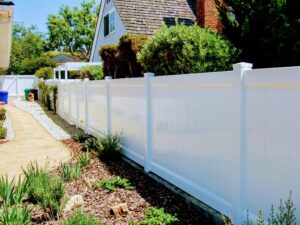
x,y
93,144
15,215
80,137
12,193
84,159
114,184
70,172
81,218
3,132
47,191
111,146
2,114
155,216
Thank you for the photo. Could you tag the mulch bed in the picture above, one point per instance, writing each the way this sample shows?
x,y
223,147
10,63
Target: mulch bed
x,y
147,193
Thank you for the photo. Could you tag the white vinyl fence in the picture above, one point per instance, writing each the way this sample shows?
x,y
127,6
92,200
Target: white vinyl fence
x,y
230,139
16,84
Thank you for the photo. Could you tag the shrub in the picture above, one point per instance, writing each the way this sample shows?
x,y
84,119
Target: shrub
x,y
48,95
70,172
114,184
92,72
81,137
3,132
2,114
155,216
81,218
30,66
121,60
184,49
108,55
47,191
15,216
84,159
45,73
12,193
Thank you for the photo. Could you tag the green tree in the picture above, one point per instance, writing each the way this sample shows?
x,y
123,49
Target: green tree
x,y
184,49
27,43
72,30
267,31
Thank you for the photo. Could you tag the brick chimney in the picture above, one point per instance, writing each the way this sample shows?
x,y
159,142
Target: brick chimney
x,y
207,15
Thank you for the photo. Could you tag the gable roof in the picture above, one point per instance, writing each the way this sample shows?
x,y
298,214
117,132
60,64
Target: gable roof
x,y
146,16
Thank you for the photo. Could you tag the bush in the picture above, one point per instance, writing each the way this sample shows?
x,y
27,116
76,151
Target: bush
x,y
80,218
48,95
184,49
45,73
155,216
15,215
108,55
30,66
92,72
2,114
47,191
70,172
114,184
121,60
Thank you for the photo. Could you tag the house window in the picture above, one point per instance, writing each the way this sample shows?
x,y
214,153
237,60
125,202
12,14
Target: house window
x,y
109,23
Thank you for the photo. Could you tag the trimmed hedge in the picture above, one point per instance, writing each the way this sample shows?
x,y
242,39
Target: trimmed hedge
x,y
48,95
121,60
184,49
30,66
92,72
45,73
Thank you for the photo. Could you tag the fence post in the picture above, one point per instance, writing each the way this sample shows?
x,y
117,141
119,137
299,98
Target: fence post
x,y
17,87
148,125
239,180
86,124
77,104
108,105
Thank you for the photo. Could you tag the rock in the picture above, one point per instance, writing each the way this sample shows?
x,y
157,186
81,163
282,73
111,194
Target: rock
x,y
76,200
120,209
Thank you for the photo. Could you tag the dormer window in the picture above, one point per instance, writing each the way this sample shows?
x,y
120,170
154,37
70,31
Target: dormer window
x,y
109,23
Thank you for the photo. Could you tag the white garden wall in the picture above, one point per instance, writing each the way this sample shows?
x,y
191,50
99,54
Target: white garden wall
x,y
230,139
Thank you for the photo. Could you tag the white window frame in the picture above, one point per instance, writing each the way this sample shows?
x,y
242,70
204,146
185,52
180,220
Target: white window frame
x,y
111,22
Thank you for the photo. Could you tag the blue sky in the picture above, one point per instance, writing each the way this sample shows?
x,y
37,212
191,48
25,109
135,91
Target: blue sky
x,y
36,11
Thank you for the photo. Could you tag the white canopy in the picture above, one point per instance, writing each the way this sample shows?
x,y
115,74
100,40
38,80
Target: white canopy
x,y
72,66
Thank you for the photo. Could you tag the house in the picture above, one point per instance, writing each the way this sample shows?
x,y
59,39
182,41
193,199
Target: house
x,y
6,21
118,17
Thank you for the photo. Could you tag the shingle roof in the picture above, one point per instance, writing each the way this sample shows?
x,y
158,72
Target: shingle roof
x,y
145,16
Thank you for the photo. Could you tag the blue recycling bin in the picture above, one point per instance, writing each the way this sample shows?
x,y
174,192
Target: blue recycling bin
x,y
4,96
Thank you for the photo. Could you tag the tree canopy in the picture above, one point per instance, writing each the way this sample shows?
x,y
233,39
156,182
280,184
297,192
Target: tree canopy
x,y
72,30
267,31
27,43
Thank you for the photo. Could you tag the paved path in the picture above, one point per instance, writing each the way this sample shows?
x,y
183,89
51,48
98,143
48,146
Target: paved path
x,y
31,143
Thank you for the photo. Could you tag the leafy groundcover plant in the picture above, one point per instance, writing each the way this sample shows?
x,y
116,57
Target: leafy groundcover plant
x,y
155,216
114,184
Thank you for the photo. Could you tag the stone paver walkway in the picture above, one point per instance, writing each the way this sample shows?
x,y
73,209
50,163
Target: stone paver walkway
x,y
31,143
